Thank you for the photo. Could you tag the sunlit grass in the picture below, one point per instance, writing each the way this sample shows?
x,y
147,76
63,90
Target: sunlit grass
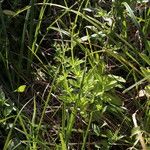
x,y
92,92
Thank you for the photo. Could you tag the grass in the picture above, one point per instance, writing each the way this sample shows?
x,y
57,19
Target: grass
x,y
74,75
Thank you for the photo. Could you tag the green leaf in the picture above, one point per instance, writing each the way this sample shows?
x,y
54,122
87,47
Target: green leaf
x,y
131,14
135,131
146,72
63,145
117,78
7,111
20,89
2,95
147,90
9,12
145,58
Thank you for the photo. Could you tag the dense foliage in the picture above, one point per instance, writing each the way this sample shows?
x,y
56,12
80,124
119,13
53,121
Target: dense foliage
x,y
74,74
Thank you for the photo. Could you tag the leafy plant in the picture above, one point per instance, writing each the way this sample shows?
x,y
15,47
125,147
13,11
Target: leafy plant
x,y
76,74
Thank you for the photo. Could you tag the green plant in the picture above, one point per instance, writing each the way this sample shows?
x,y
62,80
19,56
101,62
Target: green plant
x,y
76,74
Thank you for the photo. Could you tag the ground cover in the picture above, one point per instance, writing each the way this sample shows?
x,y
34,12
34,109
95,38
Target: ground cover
x,y
74,74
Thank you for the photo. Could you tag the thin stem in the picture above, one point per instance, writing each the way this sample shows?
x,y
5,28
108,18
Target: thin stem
x,y
87,131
